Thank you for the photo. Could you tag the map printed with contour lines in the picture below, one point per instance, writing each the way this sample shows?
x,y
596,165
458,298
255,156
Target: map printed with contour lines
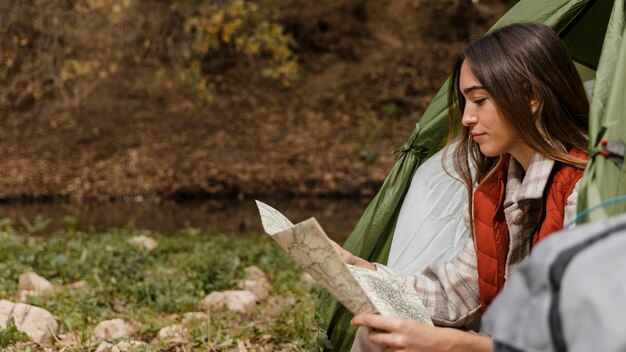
x,y
359,289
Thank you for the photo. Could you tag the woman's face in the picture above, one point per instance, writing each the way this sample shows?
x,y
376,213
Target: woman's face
x,y
493,135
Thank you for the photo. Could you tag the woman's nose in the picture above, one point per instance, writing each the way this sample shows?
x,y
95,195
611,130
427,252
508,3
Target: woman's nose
x,y
469,119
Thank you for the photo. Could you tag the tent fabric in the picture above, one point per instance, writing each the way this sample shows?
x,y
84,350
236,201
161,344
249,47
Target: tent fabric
x,y
595,43
604,178
436,232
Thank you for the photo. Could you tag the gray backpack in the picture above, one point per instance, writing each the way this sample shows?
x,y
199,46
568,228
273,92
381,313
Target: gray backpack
x,y
570,295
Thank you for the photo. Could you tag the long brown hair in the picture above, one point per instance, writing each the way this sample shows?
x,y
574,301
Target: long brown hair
x,y
518,64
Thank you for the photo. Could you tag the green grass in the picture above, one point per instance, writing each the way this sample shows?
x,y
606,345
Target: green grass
x,y
153,290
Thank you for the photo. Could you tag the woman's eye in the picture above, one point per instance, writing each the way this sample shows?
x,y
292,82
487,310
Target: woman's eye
x,y
479,101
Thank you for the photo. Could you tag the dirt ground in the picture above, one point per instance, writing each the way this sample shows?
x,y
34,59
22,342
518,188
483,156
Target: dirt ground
x,y
367,71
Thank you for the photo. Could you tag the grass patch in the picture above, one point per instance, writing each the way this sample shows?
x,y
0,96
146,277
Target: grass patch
x,y
154,290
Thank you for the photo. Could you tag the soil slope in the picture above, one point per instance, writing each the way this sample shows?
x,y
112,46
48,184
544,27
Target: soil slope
x,y
368,70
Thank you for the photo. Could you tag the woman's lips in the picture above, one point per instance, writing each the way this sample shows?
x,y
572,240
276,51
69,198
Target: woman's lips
x,y
477,136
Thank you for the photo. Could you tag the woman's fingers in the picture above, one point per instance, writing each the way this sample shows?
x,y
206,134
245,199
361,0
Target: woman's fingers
x,y
347,257
337,247
397,334
377,321
389,341
362,319
394,334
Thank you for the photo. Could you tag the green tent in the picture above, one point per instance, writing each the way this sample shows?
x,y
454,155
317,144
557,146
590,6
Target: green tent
x,y
595,33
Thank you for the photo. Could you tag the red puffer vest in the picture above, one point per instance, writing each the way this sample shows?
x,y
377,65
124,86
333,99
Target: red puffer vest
x,y
491,232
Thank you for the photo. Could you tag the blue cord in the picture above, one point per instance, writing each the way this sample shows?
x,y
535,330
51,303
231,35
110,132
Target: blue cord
x,y
586,212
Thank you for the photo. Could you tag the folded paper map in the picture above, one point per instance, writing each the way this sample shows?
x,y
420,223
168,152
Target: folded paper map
x,y
358,289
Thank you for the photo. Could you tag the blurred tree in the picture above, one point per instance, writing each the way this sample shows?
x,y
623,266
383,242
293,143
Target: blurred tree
x,y
218,34
67,47
56,46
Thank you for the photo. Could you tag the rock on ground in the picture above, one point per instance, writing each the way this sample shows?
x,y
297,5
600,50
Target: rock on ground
x,y
233,300
255,273
33,282
36,322
257,282
111,330
145,242
78,285
107,347
258,287
174,334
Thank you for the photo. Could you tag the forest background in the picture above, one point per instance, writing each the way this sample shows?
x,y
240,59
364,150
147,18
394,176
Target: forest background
x,y
108,99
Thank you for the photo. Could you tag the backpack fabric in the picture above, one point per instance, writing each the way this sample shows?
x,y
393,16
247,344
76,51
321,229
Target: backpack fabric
x,y
569,295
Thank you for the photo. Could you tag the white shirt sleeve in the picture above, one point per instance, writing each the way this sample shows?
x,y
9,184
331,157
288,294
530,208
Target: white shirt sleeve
x,y
569,213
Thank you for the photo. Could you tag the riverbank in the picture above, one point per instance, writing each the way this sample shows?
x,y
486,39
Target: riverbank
x,y
231,217
157,288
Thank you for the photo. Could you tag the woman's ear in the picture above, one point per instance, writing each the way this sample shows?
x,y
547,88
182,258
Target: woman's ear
x,y
535,104
535,100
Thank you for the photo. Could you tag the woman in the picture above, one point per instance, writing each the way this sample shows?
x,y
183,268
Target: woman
x,y
523,116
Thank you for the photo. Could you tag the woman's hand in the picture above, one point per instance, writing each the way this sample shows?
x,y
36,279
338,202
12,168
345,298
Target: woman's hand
x,y
347,257
352,259
396,334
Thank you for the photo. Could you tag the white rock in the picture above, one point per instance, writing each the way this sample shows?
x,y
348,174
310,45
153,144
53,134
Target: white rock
x,y
259,288
256,273
111,330
257,283
33,282
145,242
233,300
36,322
107,347
174,334
192,317
78,285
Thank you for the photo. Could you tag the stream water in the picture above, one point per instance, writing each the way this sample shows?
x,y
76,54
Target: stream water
x,y
231,217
